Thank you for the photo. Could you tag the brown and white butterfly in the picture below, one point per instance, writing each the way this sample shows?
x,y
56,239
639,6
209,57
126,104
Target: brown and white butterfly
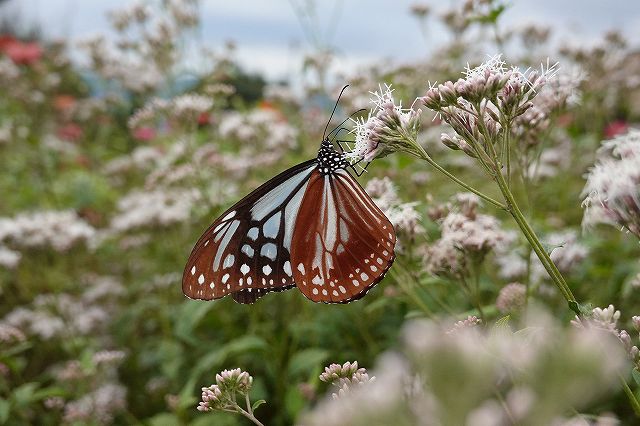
x,y
312,227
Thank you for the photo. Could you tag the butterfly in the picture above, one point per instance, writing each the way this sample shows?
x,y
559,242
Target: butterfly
x,y
312,227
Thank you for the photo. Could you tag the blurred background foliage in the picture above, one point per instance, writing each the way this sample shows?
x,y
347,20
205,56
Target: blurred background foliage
x,y
111,167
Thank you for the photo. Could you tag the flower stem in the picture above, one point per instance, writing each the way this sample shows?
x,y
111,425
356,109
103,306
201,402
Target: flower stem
x,y
426,157
632,397
536,245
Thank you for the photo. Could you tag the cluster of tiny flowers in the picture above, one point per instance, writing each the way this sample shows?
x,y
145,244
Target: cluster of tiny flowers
x,y
403,216
388,128
345,377
511,298
222,394
189,106
478,105
262,126
153,208
409,386
612,191
607,319
470,321
60,230
9,334
98,406
141,158
464,233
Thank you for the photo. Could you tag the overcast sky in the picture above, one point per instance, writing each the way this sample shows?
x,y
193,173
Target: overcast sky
x,y
271,39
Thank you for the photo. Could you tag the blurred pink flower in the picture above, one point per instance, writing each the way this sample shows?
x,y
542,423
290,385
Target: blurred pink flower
x,y
21,53
70,132
615,128
144,133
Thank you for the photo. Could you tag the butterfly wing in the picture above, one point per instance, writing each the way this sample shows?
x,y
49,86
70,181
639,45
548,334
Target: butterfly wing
x,y
245,252
343,244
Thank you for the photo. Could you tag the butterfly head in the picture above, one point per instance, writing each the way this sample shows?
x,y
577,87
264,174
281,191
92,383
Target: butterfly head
x,y
330,160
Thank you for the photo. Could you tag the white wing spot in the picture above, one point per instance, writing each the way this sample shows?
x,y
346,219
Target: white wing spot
x,y
241,282
356,283
253,233
246,249
385,253
228,261
335,293
201,279
225,278
206,243
267,270
315,290
249,280
364,276
317,280
212,285
301,268
269,250
379,260
284,280
287,268
272,226
229,216
193,270
244,269
342,289
373,268
324,292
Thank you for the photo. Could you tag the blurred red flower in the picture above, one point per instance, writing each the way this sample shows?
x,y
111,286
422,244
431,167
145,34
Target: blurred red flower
x,y
70,132
144,133
20,52
615,128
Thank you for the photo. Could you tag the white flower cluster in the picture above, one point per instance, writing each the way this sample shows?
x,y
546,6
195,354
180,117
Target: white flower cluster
x,y
141,158
385,129
99,406
265,127
154,208
409,388
464,233
190,105
61,315
612,191
60,230
404,217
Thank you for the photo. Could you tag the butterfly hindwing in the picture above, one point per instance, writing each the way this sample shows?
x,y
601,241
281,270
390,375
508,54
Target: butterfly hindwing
x,y
245,252
343,244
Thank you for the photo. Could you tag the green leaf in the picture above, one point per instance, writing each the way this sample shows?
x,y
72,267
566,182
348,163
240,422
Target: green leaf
x,y
257,404
209,362
23,394
549,248
306,360
164,419
191,313
503,322
636,375
5,410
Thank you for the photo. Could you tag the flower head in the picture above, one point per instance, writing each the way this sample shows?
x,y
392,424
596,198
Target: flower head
x,y
234,380
612,191
388,128
511,298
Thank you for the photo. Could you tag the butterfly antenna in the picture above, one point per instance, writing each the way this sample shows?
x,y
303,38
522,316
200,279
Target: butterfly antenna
x,y
334,110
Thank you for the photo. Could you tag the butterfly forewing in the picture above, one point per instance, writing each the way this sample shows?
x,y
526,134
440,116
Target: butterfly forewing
x,y
343,244
245,252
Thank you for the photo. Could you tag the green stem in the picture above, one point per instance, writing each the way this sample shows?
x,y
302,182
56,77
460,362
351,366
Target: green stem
x,y
632,398
426,157
535,243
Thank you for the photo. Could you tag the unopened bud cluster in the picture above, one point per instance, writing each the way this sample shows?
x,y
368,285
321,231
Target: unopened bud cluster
x,y
222,394
487,99
345,376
